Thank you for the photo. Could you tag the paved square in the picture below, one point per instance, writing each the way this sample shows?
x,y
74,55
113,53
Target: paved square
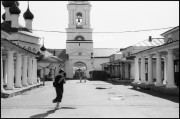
x,y
94,99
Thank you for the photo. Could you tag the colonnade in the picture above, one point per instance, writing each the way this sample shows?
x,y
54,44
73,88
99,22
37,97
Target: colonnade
x,y
168,69
17,70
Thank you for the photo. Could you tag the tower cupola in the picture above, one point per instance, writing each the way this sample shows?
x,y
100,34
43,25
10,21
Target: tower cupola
x,y
14,9
28,14
7,3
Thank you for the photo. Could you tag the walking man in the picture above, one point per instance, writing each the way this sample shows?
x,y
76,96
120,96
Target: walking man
x,y
58,84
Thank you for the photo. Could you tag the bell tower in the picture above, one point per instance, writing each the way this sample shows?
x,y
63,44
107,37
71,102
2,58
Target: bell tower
x,y
79,43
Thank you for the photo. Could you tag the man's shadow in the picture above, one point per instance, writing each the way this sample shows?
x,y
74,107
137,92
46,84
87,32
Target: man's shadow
x,y
43,114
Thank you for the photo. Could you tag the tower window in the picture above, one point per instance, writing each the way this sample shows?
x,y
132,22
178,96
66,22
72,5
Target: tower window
x,y
79,20
79,38
29,49
80,53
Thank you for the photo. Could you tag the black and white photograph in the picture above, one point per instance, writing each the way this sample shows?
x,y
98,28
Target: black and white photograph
x,y
89,59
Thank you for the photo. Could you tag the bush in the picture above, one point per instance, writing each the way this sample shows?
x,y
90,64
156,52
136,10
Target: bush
x,y
99,75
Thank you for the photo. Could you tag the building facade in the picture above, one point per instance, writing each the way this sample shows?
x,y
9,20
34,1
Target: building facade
x,y
19,47
166,58
79,45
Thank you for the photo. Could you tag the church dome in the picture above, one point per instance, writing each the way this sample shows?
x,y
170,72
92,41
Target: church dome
x,y
43,48
28,14
3,16
14,9
7,3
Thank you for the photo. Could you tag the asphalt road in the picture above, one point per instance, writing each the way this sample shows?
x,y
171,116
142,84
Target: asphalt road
x,y
93,99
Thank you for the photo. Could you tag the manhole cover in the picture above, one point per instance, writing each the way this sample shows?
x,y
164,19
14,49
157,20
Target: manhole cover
x,y
103,87
68,107
116,98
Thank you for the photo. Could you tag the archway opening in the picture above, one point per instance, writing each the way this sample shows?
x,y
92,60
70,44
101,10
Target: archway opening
x,y
79,69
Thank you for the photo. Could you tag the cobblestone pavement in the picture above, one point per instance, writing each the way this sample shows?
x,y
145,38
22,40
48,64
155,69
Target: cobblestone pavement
x,y
94,99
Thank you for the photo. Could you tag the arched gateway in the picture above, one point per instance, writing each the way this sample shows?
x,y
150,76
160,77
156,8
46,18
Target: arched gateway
x,y
79,68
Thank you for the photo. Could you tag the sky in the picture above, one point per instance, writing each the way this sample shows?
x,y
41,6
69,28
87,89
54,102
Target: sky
x,y
105,16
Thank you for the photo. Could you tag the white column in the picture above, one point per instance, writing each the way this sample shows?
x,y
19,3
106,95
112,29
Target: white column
x,y
15,20
165,70
84,17
150,69
2,87
28,23
24,76
136,71
30,73
18,71
70,17
159,81
143,77
10,76
170,70
88,20
34,71
7,14
74,17
5,71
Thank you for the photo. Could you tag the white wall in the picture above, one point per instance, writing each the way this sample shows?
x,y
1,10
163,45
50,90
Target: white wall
x,y
98,61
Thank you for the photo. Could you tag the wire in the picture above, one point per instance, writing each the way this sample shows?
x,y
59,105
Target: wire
x,y
103,32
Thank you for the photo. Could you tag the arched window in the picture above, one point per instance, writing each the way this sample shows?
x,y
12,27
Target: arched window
x,y
34,50
79,20
79,38
29,49
24,47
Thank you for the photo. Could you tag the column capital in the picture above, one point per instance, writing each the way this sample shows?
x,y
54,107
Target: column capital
x,y
34,59
18,54
150,55
143,56
170,51
10,51
158,53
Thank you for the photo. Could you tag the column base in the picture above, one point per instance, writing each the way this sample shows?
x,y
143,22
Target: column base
x,y
144,82
35,83
25,85
2,90
159,84
171,86
18,86
30,83
136,82
9,88
150,83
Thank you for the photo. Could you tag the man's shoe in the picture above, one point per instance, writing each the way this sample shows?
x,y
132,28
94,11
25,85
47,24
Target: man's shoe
x,y
54,101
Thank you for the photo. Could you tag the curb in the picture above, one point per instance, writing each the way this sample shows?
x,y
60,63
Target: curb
x,y
8,95
164,90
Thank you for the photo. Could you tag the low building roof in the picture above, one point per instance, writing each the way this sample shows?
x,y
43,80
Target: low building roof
x,y
171,30
104,52
60,53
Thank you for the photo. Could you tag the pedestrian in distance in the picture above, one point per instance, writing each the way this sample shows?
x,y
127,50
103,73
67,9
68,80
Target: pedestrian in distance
x,y
59,87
